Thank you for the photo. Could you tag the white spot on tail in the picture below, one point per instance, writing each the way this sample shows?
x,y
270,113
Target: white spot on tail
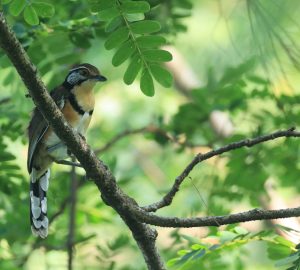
x,y
42,232
44,205
44,180
35,201
37,223
45,222
36,211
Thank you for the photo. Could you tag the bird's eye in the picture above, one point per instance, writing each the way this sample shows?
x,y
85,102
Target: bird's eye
x,y
83,72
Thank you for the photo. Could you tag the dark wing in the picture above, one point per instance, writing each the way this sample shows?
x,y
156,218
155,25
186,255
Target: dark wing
x,y
38,125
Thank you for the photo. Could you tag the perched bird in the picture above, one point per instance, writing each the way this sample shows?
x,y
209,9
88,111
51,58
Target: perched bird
x,y
76,100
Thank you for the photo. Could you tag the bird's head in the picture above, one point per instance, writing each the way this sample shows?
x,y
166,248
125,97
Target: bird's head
x,y
83,74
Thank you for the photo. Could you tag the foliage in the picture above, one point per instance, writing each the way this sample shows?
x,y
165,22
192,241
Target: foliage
x,y
231,242
57,34
130,32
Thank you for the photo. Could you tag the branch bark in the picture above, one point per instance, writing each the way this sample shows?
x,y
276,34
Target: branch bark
x,y
97,171
168,198
252,215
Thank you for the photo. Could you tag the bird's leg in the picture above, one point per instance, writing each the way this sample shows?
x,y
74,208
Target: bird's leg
x,y
69,163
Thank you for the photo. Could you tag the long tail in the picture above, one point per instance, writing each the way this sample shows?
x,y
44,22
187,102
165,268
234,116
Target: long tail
x,y
38,202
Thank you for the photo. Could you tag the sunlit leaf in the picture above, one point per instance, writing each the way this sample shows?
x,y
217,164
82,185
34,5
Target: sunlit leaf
x,y
135,17
117,38
113,24
135,7
16,7
108,14
123,53
161,75
150,41
132,70
157,55
145,27
146,84
44,10
30,15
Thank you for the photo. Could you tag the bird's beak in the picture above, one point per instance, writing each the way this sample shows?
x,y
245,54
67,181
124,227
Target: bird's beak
x,y
99,78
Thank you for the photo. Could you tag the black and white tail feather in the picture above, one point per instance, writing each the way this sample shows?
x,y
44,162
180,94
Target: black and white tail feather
x,y
38,203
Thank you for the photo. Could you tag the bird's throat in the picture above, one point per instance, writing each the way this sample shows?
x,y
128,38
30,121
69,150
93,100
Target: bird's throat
x,y
85,96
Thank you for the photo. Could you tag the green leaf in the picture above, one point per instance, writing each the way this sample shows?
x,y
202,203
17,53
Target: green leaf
x,y
117,38
157,55
133,70
240,230
135,7
94,5
277,251
161,75
30,16
16,7
123,53
98,5
113,24
4,2
104,4
8,167
108,14
146,84
44,10
135,17
5,156
150,41
288,260
80,40
145,27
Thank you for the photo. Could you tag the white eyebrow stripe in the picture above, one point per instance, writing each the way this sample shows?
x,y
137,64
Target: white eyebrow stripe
x,y
82,67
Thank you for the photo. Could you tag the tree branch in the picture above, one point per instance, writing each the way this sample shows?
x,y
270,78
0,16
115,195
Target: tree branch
x,y
102,177
168,198
252,215
147,129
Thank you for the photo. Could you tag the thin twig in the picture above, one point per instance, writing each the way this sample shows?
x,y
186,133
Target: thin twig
x,y
168,198
72,217
118,137
147,129
252,215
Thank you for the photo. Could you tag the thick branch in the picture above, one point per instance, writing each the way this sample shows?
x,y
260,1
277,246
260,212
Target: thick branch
x,y
252,215
96,170
168,198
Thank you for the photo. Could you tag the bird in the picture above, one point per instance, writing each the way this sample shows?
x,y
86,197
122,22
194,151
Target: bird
x,y
75,98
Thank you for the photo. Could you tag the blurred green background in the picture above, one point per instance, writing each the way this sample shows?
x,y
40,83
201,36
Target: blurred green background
x,y
236,75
